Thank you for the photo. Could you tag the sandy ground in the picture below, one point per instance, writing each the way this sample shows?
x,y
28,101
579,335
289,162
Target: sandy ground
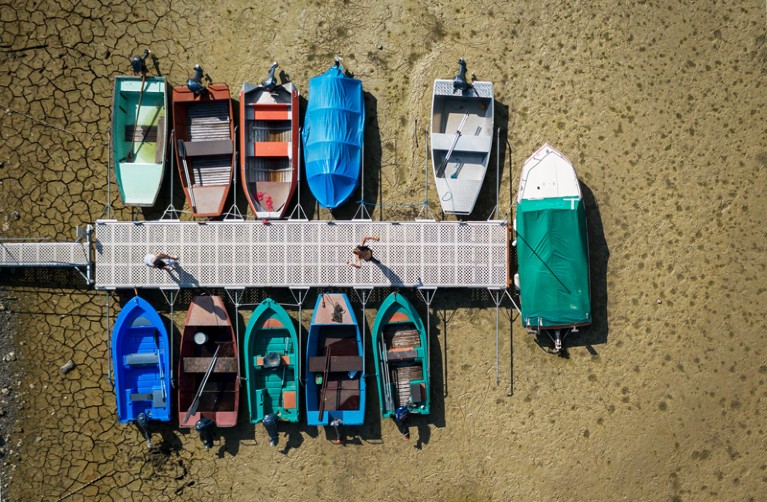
x,y
661,107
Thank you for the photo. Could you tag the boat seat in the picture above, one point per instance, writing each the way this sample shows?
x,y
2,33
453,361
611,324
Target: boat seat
x,y
156,396
201,148
139,133
201,364
289,399
465,143
142,359
402,354
337,364
259,360
159,153
417,391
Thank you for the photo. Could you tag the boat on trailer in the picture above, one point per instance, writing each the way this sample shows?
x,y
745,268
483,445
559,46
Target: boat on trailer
x,y
333,135
208,370
139,137
271,363
552,247
270,140
462,118
140,354
205,153
335,384
401,357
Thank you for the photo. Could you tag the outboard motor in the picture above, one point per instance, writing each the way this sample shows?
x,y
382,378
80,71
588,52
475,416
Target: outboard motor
x,y
400,418
337,62
459,81
195,83
142,422
138,64
270,83
205,427
270,424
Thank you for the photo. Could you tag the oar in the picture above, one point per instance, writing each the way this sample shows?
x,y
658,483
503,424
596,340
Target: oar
x,y
135,123
455,142
196,402
190,188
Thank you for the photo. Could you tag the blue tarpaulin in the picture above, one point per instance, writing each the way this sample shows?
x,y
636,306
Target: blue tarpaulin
x,y
334,130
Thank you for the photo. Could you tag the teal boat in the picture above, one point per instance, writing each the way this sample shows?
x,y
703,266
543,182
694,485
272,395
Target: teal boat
x,y
271,363
401,358
139,137
552,247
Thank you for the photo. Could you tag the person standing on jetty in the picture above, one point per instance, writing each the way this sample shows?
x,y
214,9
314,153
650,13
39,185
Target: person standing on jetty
x,y
163,261
362,252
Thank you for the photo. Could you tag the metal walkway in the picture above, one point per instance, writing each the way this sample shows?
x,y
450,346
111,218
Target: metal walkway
x,y
302,254
75,254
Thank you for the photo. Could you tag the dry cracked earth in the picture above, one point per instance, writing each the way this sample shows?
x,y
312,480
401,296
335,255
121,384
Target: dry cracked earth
x,y
661,107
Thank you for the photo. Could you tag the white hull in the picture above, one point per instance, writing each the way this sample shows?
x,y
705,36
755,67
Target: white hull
x,y
461,142
548,174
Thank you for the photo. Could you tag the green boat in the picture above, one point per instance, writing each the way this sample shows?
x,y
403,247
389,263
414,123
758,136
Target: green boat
x,y
401,358
552,247
139,137
271,363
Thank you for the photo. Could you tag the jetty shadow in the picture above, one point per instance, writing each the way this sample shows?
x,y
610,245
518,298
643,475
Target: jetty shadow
x,y
44,278
486,201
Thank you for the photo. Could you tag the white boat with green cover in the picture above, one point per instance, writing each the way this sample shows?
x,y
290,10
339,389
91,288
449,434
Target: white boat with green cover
x,y
139,137
552,247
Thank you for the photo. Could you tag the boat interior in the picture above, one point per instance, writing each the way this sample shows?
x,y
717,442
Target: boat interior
x,y
461,136
221,390
140,138
404,356
207,157
337,370
274,376
268,149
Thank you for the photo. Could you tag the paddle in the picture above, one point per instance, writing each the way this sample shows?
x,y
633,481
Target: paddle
x,y
182,154
196,402
135,123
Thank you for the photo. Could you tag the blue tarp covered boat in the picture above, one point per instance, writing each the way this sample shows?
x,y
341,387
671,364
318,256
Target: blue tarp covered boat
x,y
333,135
141,363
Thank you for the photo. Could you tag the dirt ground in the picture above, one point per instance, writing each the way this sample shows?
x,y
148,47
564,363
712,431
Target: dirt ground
x,y
661,107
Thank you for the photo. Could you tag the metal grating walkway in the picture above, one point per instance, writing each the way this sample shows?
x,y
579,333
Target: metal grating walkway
x,y
302,254
44,254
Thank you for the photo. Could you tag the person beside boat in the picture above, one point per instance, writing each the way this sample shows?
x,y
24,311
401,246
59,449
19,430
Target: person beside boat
x,y
363,252
163,261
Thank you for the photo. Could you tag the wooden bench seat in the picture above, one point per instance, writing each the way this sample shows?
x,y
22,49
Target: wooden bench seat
x,y
215,147
337,364
402,354
201,364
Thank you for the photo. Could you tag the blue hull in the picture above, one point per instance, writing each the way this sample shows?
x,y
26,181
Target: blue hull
x,y
334,337
141,363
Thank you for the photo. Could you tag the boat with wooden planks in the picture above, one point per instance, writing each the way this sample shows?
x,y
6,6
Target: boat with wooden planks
x,y
140,354
552,247
139,137
208,370
335,383
205,154
461,140
401,356
271,363
270,141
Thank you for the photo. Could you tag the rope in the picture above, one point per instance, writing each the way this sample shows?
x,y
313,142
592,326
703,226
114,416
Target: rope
x,y
423,203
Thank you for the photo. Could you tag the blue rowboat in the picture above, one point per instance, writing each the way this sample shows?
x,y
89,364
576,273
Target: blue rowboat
x,y
141,363
335,384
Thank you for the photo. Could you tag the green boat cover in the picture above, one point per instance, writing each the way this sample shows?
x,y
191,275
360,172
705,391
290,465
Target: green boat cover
x,y
553,257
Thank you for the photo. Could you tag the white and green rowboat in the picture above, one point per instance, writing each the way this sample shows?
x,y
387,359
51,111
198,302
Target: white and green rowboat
x,y
139,137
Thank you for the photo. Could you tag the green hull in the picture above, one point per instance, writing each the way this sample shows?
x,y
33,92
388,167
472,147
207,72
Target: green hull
x,y
139,138
271,390
401,351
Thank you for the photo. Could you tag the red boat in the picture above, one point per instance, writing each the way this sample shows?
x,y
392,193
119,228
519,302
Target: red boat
x,y
208,371
269,141
204,145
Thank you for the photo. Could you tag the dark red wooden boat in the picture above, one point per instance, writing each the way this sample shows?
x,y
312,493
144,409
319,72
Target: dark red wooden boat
x,y
208,335
204,145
